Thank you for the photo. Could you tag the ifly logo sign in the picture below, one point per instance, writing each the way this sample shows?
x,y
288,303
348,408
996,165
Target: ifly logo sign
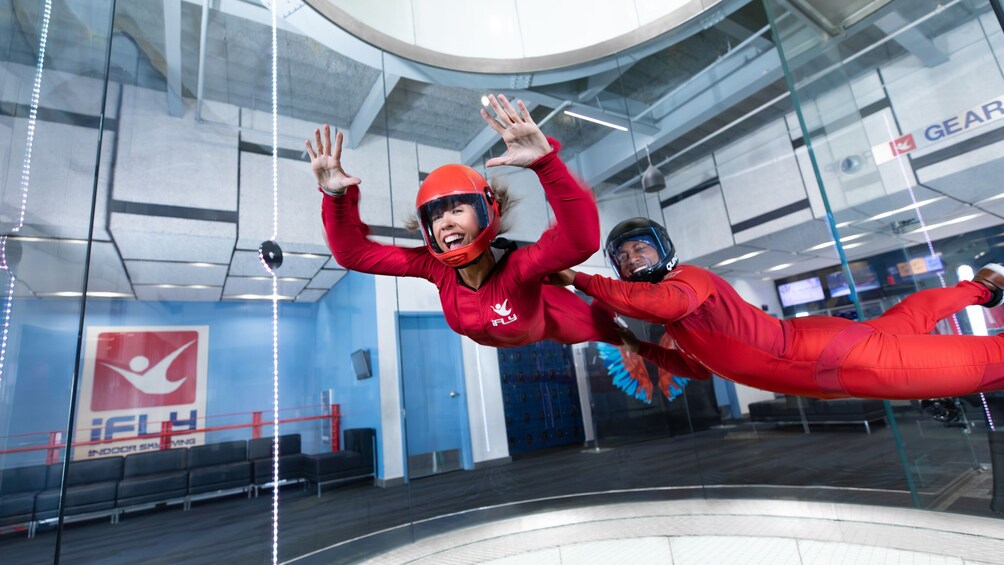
x,y
903,144
141,369
990,112
136,380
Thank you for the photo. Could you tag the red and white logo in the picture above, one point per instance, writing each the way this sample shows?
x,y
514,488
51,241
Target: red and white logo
x,y
903,144
136,369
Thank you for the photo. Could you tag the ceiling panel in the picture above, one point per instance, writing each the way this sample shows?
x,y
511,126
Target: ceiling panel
x,y
246,264
326,278
154,293
236,286
173,239
311,295
58,266
157,272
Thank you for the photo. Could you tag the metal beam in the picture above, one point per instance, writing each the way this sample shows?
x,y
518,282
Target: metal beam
x,y
912,39
172,56
371,107
610,155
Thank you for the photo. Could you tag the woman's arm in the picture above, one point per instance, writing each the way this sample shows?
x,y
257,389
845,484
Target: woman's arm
x,y
350,245
346,232
575,235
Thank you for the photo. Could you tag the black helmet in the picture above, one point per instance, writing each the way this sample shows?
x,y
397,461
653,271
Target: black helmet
x,y
649,232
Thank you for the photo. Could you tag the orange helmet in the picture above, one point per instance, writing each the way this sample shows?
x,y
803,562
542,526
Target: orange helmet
x,y
446,187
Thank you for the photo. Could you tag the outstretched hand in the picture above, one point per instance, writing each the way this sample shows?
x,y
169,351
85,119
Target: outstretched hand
x,y
524,141
326,162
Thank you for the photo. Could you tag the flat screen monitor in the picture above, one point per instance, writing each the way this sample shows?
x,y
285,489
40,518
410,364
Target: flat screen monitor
x,y
799,292
361,364
865,278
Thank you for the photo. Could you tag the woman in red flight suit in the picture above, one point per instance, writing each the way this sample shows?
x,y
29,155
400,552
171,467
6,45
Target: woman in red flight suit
x,y
493,294
890,357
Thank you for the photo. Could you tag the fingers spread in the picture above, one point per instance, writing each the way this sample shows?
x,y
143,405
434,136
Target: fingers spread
x,y
524,112
310,151
503,116
326,148
509,110
338,146
492,122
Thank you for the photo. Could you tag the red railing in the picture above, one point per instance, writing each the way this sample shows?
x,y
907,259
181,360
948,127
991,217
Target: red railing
x,y
55,443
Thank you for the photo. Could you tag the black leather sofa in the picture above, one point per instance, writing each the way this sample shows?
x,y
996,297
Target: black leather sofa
x,y
218,467
784,411
18,487
355,461
290,460
154,477
110,486
91,487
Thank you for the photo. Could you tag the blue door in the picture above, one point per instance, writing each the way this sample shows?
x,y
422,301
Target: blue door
x,y
434,397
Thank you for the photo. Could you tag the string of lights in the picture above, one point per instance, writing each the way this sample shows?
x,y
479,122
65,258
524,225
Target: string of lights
x,y
275,286
36,90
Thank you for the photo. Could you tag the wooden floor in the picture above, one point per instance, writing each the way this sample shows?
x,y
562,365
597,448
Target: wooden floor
x,y
840,464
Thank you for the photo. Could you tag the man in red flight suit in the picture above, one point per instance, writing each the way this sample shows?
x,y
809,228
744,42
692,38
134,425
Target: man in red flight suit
x,y
890,357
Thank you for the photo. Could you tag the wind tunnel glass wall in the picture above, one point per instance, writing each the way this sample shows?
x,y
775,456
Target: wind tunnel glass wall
x,y
51,88
899,105
174,363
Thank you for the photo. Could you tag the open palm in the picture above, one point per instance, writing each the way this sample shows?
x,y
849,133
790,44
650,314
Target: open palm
x,y
326,162
524,141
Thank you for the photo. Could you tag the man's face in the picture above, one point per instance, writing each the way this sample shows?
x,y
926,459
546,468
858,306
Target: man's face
x,y
634,256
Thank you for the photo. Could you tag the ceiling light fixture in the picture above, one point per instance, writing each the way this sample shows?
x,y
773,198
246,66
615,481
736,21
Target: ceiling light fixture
x,y
920,204
90,294
596,121
739,258
256,297
45,239
947,223
826,244
652,180
778,267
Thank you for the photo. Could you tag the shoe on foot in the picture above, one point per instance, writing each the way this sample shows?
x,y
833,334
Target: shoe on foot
x,y
945,410
992,277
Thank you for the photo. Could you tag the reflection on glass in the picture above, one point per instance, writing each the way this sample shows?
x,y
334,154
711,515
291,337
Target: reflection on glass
x,y
136,276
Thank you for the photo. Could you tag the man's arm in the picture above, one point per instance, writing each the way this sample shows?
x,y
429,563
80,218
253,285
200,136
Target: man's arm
x,y
661,303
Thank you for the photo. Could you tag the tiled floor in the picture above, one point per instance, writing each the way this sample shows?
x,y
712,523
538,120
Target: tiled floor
x,y
720,532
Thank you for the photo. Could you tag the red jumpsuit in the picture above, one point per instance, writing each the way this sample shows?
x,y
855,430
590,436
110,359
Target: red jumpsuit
x,y
513,307
890,357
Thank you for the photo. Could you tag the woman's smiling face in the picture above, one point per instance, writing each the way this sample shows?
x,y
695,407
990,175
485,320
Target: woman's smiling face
x,y
456,227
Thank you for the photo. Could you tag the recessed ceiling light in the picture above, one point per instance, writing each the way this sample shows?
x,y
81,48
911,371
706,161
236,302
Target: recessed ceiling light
x,y
947,223
920,204
826,244
779,267
739,258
